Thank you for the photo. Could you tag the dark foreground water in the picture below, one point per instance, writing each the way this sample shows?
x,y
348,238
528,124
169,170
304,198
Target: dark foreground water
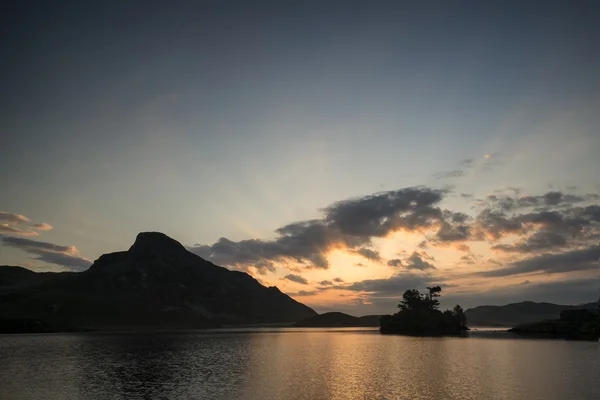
x,y
295,364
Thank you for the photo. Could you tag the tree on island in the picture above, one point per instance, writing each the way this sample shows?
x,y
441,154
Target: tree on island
x,y
420,315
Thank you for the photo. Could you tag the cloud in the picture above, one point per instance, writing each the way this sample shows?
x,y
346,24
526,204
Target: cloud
x,y
550,199
73,262
395,262
29,245
296,278
5,228
541,230
463,247
43,227
338,280
416,262
303,293
304,242
380,214
325,283
570,261
452,233
538,241
263,266
67,256
13,218
393,286
369,254
467,162
495,224
456,173
349,225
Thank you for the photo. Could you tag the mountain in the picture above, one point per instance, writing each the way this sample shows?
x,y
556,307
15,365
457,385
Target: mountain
x,y
338,319
519,313
157,283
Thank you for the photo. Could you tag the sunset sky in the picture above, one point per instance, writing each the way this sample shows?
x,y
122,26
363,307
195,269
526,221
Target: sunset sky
x,y
341,151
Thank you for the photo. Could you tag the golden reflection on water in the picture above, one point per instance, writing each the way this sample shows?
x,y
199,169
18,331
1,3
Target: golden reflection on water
x,y
295,365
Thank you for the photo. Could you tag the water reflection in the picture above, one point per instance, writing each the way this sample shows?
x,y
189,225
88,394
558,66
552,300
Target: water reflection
x,y
295,365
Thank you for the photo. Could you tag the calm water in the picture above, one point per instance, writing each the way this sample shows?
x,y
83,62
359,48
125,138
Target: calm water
x,y
295,364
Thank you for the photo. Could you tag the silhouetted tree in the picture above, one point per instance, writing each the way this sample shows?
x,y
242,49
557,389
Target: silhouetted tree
x,y
412,300
459,316
434,292
419,315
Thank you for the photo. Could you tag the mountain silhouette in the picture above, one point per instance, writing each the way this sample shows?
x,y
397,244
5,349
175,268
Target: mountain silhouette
x,y
157,283
519,313
339,319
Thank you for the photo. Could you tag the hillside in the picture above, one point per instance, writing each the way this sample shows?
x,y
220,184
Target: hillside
x,y
157,283
338,319
519,313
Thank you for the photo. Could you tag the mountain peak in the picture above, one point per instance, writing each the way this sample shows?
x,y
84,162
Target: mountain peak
x,y
155,243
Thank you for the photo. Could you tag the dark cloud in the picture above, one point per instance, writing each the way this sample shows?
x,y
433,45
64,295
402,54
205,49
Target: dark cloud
x,y
550,199
296,278
453,233
395,262
551,229
263,266
416,262
369,254
570,261
496,224
349,224
383,213
325,283
538,241
394,286
338,280
74,263
303,242
13,218
463,247
66,256
32,245
302,293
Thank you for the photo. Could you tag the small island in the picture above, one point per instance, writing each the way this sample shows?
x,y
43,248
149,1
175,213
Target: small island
x,y
420,315
579,324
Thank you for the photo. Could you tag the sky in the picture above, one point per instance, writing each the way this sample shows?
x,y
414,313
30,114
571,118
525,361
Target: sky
x,y
342,151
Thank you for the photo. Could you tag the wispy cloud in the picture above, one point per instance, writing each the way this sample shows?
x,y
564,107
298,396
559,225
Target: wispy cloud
x,y
13,218
570,261
66,256
456,173
43,227
11,230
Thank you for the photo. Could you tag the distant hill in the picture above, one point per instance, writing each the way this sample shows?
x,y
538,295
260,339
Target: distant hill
x,y
157,283
339,319
519,313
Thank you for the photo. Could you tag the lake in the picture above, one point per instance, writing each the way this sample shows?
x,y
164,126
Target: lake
x,y
290,363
